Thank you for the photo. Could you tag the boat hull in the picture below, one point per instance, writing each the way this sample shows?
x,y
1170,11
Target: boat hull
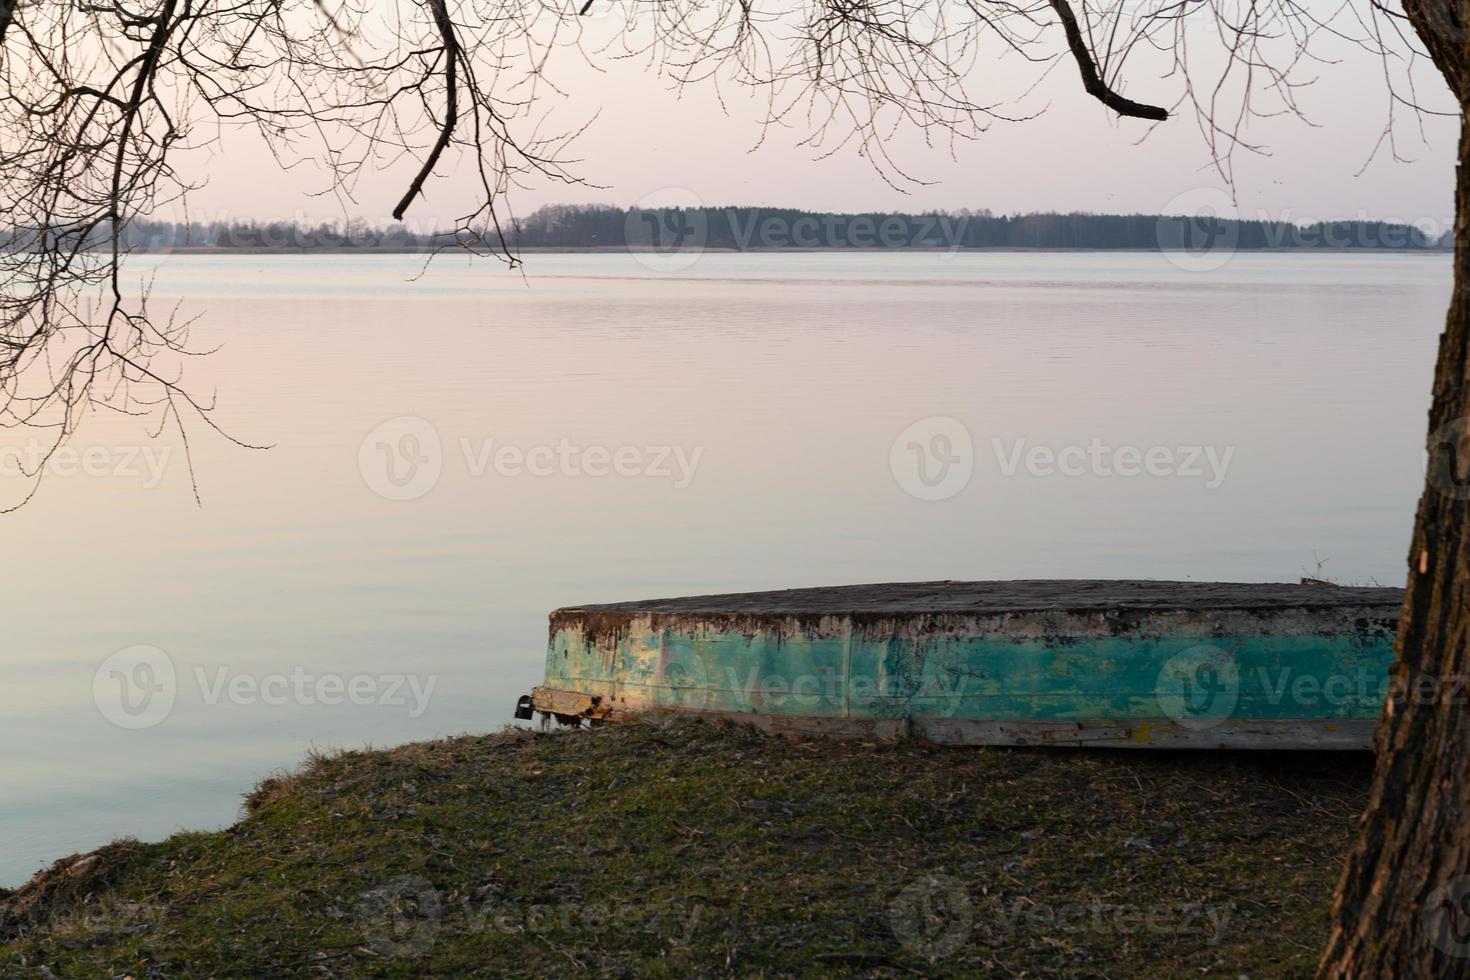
x,y
1103,664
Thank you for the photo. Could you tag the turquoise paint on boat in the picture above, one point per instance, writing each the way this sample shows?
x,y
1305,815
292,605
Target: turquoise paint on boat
x,y
995,663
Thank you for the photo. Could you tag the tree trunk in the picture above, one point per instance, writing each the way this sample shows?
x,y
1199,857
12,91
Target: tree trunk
x,y
1403,904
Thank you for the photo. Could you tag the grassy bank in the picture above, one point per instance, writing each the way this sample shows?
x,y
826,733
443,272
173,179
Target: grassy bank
x,y
711,850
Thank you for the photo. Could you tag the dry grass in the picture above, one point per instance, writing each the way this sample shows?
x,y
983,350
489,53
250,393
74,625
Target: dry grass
x,y
702,849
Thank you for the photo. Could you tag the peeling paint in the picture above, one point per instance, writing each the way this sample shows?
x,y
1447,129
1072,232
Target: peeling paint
x,y
993,664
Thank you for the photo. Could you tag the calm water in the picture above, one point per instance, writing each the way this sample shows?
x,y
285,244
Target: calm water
x,y
755,401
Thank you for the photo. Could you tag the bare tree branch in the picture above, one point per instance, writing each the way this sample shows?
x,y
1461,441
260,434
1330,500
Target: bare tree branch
x,y
1092,82
451,104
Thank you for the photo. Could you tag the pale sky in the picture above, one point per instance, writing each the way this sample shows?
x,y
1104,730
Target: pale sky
x,y
1076,156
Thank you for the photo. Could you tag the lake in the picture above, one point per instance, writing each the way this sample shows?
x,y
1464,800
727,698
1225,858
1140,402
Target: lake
x,y
455,455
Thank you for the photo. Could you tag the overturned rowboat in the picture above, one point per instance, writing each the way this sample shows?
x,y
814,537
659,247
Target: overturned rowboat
x,y
1095,663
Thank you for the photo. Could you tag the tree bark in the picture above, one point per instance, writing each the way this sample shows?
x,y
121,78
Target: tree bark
x,y
1403,904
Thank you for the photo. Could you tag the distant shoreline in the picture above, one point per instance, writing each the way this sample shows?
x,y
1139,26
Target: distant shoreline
x,y
725,250
575,229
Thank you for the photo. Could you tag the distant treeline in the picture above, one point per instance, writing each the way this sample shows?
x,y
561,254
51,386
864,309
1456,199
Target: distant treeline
x,y
747,228
742,228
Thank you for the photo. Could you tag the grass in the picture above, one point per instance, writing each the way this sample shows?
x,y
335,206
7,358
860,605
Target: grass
x,y
710,850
